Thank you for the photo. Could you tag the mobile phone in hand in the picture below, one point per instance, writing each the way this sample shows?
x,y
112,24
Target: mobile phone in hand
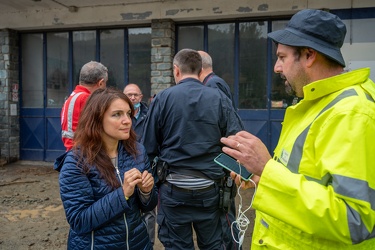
x,y
231,164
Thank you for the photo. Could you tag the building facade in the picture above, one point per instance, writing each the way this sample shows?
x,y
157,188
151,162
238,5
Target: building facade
x,y
44,44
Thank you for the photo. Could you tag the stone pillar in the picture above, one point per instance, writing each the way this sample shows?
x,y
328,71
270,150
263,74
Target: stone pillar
x,y
162,53
9,97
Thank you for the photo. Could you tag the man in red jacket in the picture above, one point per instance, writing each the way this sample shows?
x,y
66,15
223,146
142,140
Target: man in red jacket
x,y
93,75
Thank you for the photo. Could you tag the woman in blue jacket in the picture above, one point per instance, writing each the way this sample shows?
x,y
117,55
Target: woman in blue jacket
x,y
105,180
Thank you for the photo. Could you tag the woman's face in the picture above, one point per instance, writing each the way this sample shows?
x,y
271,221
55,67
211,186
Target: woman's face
x,y
117,122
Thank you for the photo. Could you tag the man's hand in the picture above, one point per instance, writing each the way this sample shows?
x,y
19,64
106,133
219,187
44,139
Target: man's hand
x,y
244,184
248,149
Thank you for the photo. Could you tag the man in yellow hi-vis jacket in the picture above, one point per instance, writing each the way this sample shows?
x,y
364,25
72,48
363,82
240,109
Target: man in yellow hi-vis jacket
x,y
318,191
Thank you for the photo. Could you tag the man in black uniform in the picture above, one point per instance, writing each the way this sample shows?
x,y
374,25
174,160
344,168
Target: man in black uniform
x,y
210,79
183,129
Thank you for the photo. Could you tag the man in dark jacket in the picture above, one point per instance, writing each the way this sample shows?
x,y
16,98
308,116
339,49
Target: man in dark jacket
x,y
183,129
135,95
210,79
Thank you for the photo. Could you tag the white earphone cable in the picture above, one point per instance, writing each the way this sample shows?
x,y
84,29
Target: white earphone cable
x,y
242,222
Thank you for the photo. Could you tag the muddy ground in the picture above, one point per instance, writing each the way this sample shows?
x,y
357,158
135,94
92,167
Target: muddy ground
x,y
31,213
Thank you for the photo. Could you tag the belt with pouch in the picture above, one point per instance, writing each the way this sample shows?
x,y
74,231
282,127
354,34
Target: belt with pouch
x,y
186,190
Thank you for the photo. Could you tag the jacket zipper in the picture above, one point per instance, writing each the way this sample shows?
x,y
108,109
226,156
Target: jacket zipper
x,y
126,223
92,240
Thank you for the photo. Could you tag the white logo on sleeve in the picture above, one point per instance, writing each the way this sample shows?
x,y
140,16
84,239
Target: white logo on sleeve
x,y
284,158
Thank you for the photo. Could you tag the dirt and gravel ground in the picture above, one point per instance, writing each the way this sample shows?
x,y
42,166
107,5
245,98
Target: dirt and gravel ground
x,y
31,213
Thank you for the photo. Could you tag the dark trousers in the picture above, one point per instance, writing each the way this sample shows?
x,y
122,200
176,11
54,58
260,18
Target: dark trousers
x,y
230,230
180,211
150,218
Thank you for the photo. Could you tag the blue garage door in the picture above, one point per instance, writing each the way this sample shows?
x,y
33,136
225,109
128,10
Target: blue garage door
x,y
50,67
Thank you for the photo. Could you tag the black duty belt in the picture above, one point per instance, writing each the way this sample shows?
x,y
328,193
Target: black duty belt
x,y
194,173
186,190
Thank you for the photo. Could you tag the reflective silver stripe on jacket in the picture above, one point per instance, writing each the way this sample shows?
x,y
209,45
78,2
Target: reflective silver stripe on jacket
x,y
346,186
358,190
358,230
296,154
369,98
69,133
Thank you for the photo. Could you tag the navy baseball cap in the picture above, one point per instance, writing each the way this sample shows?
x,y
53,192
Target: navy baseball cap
x,y
316,29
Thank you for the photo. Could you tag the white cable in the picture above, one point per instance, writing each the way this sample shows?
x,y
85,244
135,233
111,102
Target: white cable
x,y
242,222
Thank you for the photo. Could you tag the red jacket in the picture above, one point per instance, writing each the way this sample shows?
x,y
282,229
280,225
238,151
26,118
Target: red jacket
x,y
70,114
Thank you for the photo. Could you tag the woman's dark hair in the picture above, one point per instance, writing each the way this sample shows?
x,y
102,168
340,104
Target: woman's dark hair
x,y
88,142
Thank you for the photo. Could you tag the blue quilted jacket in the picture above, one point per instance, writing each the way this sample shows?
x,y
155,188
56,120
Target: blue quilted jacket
x,y
99,217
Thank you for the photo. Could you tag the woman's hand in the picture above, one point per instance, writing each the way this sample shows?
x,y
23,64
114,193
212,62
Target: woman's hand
x,y
132,178
147,182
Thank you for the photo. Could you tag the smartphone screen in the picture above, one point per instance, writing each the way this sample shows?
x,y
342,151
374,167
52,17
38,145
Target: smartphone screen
x,y
231,164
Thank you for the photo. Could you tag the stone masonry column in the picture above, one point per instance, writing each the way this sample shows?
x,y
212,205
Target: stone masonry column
x,y
162,53
9,96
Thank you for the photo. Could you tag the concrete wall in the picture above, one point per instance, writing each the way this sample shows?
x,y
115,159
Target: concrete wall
x,y
50,15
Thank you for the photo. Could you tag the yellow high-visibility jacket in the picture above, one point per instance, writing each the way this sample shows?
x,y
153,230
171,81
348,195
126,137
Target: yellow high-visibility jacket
x,y
318,192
